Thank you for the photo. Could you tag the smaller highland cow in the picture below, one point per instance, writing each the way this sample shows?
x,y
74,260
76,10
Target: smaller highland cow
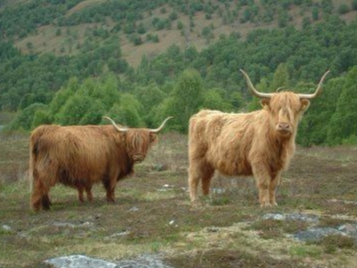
x,y
79,156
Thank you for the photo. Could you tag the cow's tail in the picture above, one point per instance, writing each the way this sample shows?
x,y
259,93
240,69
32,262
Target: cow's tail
x,y
32,158
36,184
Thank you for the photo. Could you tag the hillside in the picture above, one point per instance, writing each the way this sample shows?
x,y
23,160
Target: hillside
x,y
151,29
133,60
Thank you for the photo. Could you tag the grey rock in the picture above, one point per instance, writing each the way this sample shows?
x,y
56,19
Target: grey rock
x,y
309,218
315,234
133,209
272,216
160,167
79,261
124,233
212,229
342,201
349,229
72,225
218,191
6,228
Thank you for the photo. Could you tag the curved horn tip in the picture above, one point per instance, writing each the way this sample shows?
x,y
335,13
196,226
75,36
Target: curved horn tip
x,y
327,72
162,125
242,71
115,124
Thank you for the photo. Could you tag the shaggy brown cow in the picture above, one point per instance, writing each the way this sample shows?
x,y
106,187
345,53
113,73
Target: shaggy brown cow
x,y
260,143
79,156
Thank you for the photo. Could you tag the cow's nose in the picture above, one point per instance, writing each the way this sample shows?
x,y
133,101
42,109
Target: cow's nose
x,y
284,126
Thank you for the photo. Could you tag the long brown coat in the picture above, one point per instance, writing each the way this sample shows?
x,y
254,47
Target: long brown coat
x,y
80,156
260,143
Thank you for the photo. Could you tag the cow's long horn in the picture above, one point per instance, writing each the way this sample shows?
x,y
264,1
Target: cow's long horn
x,y
160,127
317,91
253,89
120,129
279,88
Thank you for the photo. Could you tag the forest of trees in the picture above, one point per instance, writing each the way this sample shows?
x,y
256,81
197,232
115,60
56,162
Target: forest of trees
x,y
97,81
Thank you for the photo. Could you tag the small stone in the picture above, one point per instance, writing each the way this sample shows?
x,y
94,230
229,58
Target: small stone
x,y
133,209
160,167
272,216
348,228
316,234
212,229
119,234
218,190
79,261
172,222
6,228
293,217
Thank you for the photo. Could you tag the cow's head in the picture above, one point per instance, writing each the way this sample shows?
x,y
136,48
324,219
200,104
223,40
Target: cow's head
x,y
138,140
285,108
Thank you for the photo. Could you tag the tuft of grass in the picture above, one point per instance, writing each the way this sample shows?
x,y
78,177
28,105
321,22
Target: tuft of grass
x,y
271,229
333,242
331,222
155,247
219,201
304,251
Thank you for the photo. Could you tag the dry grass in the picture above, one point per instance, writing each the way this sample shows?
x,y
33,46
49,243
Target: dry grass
x,y
154,210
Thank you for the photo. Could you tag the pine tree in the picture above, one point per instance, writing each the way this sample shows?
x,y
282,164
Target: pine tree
x,y
281,78
187,98
343,122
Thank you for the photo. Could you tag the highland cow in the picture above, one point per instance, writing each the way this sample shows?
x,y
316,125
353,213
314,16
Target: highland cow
x,y
80,156
259,143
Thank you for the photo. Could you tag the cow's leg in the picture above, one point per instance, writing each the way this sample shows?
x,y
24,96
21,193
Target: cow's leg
x,y
46,202
111,191
199,170
262,179
272,189
88,189
36,196
193,180
80,193
39,196
109,185
207,175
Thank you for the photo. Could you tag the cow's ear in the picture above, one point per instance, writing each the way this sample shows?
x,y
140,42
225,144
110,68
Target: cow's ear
x,y
304,104
153,137
265,103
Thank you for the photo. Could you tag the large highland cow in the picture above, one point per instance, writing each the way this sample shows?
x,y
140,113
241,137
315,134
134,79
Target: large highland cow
x,y
259,143
79,156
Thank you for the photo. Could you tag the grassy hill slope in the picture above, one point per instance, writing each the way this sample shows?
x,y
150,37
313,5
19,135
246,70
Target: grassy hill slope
x,y
151,30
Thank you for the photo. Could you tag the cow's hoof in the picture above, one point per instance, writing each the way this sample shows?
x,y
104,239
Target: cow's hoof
x,y
196,204
264,205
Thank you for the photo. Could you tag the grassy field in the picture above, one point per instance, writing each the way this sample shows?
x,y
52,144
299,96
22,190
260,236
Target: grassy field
x,y
152,214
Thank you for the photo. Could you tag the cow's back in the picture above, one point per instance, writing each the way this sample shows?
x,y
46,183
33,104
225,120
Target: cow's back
x,y
72,153
223,140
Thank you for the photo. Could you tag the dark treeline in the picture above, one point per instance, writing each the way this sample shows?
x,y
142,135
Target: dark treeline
x,y
79,89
